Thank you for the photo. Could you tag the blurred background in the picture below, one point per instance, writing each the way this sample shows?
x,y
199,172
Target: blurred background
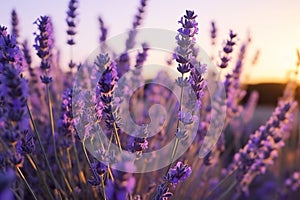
x,y
273,26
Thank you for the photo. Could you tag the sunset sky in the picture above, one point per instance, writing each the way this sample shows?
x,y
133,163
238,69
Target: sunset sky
x,y
274,25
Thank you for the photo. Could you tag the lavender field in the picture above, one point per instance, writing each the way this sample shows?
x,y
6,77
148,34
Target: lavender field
x,y
149,114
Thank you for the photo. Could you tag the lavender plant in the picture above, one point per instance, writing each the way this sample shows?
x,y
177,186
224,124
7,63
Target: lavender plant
x,y
49,151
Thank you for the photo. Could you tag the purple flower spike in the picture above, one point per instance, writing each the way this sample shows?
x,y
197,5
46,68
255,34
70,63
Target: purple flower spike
x,y
213,33
138,19
124,183
197,80
105,88
190,14
178,173
66,120
9,50
15,24
175,175
43,44
13,92
163,192
71,21
27,145
142,56
103,30
185,40
227,50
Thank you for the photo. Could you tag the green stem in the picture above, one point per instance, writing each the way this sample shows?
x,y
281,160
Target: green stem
x,y
81,174
16,194
36,168
117,136
26,183
103,188
43,150
174,149
54,140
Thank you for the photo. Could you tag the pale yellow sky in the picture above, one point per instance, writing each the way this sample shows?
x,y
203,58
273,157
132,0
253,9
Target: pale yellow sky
x,y
274,25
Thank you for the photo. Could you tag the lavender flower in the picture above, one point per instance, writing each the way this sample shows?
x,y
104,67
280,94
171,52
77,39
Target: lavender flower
x,y
14,90
101,63
71,21
136,78
124,61
105,87
139,143
103,30
9,50
213,33
233,88
66,121
175,175
178,173
123,64
142,56
293,182
27,145
99,170
28,61
262,147
26,53
163,192
15,24
136,23
124,183
43,45
197,80
7,177
227,50
185,40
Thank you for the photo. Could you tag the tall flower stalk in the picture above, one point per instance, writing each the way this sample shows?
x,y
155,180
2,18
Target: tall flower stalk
x,y
43,45
103,30
184,57
13,117
105,87
71,32
177,174
15,24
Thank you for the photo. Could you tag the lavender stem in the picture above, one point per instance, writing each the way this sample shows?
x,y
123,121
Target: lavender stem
x,y
26,183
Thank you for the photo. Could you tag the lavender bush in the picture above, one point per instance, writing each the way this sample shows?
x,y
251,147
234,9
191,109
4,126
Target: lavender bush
x,y
65,134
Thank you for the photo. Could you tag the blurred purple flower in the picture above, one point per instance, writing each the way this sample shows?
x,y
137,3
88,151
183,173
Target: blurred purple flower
x,y
124,183
7,178
130,42
262,147
293,182
15,24
103,30
227,50
142,56
27,145
163,192
123,64
9,50
66,121
213,33
71,21
197,81
139,143
178,173
99,170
